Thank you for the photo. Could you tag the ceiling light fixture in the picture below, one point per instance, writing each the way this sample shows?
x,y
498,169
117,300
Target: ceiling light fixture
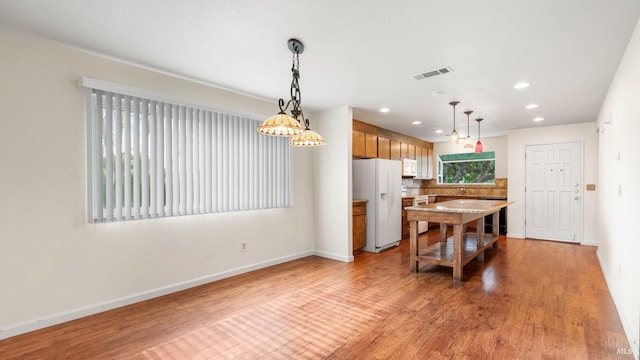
x,y
532,106
479,143
538,119
468,143
417,122
384,110
438,131
521,85
282,124
453,138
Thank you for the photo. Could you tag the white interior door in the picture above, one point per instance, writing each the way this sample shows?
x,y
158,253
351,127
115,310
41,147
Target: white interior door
x,y
554,192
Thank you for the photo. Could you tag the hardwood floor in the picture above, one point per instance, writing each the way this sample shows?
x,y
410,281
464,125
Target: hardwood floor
x,y
528,300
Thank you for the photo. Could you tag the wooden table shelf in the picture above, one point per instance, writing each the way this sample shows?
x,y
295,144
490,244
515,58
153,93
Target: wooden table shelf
x,y
441,253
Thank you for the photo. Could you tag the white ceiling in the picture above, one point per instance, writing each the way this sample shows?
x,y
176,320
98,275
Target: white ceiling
x,y
364,53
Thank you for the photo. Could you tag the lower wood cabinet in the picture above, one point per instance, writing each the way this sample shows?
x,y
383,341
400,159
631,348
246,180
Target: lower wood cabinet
x,y
359,225
406,202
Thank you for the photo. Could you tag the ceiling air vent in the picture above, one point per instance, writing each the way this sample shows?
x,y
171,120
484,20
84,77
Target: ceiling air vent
x,y
428,74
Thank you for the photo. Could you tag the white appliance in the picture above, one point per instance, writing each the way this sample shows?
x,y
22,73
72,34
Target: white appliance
x,y
421,200
379,182
409,167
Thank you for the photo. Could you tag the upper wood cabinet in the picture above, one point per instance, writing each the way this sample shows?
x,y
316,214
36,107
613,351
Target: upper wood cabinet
x,y
395,150
408,151
424,158
384,148
371,146
358,143
369,141
364,139
364,145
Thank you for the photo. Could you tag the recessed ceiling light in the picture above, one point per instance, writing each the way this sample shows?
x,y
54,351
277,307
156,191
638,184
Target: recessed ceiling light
x,y
384,110
417,122
538,119
521,85
532,106
438,131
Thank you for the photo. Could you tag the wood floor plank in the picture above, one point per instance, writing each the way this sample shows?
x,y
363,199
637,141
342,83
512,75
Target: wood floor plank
x,y
528,299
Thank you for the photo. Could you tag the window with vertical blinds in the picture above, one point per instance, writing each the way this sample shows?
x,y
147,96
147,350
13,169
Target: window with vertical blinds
x,y
151,158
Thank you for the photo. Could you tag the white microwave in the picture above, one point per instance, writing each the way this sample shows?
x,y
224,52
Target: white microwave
x,y
409,167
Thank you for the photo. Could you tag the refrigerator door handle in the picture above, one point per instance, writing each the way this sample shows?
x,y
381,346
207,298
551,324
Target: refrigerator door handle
x,y
384,195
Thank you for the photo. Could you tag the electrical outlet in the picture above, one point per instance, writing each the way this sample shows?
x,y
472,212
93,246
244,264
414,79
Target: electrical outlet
x,y
243,246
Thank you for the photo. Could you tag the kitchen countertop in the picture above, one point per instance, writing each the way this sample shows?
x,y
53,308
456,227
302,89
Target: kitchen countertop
x,y
461,206
359,201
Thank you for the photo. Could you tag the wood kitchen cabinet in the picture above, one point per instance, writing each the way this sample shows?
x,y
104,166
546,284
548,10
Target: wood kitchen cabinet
x,y
364,145
359,225
384,148
370,141
424,158
370,146
408,151
406,202
395,151
364,140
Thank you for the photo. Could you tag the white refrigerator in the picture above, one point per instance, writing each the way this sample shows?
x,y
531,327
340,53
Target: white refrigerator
x,y
380,182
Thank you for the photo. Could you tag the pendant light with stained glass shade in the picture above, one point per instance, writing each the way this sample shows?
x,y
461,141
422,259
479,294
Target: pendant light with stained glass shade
x,y
453,138
479,143
282,124
468,143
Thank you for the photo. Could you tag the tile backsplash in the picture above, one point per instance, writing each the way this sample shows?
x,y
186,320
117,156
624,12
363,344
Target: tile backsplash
x,y
425,187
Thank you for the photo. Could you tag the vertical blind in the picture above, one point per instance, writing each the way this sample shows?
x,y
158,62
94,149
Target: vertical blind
x,y
150,158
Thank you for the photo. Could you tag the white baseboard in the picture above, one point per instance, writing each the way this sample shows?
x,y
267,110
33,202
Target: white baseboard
x,y
128,300
515,236
633,343
333,256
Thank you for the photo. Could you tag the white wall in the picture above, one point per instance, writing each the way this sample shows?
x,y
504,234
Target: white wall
x,y
619,195
332,177
497,144
54,266
519,139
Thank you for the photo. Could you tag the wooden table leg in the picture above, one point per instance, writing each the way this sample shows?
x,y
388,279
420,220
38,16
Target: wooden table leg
x,y
443,232
496,228
457,252
413,246
480,235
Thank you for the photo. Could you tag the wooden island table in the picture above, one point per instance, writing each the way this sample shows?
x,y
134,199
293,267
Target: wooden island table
x,y
462,247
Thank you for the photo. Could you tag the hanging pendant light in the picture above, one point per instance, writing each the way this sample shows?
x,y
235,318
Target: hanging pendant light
x,y
479,143
468,143
454,134
307,138
282,124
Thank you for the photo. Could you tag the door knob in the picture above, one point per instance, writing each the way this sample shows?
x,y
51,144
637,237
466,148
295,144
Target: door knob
x,y
576,198
575,185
